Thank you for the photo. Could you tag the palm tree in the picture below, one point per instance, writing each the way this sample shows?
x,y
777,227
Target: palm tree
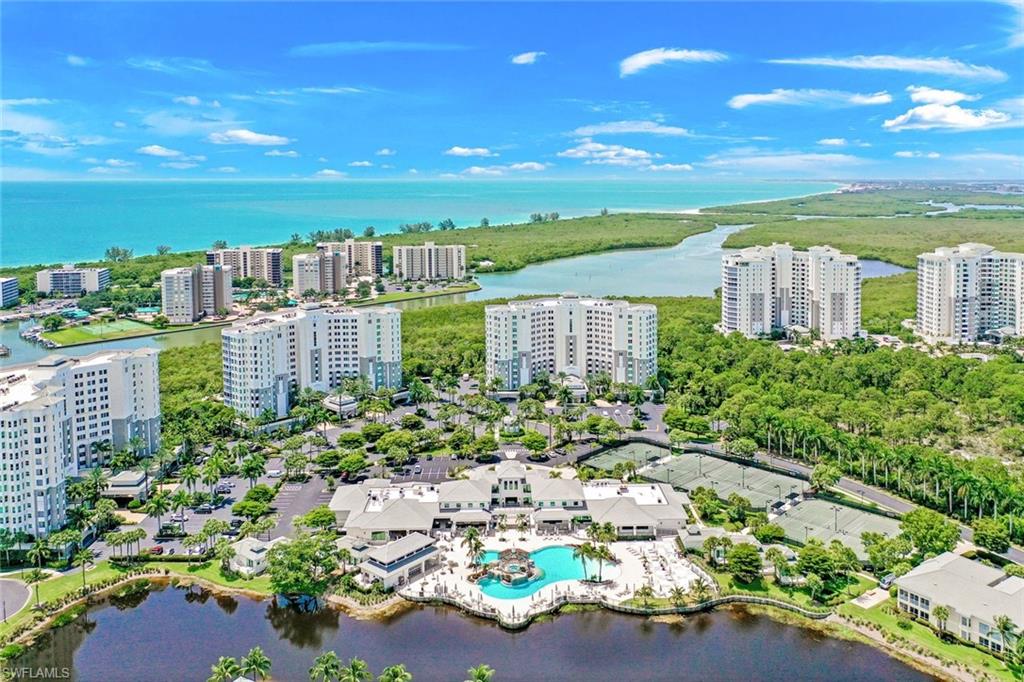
x,y
473,544
189,474
677,596
481,673
941,614
84,558
701,590
253,467
157,506
179,502
38,552
224,670
583,553
644,593
326,668
1006,628
356,671
34,577
395,673
256,664
211,474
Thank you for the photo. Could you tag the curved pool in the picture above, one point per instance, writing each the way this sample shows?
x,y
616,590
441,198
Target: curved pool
x,y
556,564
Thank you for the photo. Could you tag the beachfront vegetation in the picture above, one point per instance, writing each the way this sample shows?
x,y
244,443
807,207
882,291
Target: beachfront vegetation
x,y
872,203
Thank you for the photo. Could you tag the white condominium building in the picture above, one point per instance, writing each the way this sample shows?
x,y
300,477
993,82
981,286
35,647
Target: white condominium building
x,y
246,261
72,281
578,336
323,272
363,258
767,288
55,416
429,262
188,294
966,291
266,359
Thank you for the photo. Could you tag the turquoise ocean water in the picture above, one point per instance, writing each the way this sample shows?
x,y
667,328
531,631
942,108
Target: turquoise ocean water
x,y
48,222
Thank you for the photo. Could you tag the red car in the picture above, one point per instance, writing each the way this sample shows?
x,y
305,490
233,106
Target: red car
x,y
156,550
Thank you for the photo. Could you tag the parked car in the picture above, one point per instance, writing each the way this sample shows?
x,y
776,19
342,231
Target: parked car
x,y
274,473
204,509
418,469
886,582
236,523
232,532
179,518
156,550
170,551
223,489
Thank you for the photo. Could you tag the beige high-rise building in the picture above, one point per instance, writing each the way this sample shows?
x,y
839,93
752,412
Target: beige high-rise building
x,y
766,288
60,415
246,261
578,336
363,258
968,291
324,272
268,358
189,294
429,262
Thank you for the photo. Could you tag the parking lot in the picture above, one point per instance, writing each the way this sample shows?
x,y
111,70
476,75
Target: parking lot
x,y
826,521
692,470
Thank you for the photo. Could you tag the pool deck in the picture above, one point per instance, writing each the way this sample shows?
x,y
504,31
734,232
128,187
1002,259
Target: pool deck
x,y
639,563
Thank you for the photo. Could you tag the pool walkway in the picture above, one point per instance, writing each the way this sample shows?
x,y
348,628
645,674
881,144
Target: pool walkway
x,y
655,563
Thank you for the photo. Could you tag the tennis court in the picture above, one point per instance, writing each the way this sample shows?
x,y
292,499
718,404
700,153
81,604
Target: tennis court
x,y
98,331
692,470
826,521
638,453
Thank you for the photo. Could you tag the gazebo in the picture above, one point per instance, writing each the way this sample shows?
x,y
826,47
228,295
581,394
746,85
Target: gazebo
x,y
513,567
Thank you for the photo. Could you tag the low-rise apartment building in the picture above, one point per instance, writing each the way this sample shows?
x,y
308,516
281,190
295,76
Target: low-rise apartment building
x,y
769,288
247,261
429,262
189,294
72,281
974,594
969,291
60,415
268,358
578,336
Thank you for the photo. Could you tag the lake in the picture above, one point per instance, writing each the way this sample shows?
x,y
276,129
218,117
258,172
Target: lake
x,y
176,634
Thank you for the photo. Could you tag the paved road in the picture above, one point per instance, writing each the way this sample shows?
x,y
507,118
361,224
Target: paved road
x,y
13,596
867,492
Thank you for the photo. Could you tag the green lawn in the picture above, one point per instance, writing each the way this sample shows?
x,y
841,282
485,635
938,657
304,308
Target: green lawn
x,y
887,301
99,331
411,295
211,571
925,637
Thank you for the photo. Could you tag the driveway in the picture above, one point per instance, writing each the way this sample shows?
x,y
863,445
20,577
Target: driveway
x,y
13,596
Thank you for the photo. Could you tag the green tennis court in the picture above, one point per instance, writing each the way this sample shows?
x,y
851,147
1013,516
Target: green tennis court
x,y
827,521
693,470
638,453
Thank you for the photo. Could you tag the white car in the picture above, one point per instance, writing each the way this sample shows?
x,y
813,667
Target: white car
x,y
605,413
274,473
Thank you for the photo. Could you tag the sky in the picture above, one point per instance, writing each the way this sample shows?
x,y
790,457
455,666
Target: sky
x,y
338,91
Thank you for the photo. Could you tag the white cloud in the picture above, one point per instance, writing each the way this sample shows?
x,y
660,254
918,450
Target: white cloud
x,y
905,154
106,170
188,100
178,165
328,173
1015,160
120,163
635,63
413,171
224,169
607,154
670,167
809,96
176,66
186,123
624,127
26,102
369,47
832,141
322,159
243,136
469,151
528,166
944,66
332,90
75,60
528,57
120,124
787,162
947,117
484,171
360,164
289,153
158,150
925,95
385,151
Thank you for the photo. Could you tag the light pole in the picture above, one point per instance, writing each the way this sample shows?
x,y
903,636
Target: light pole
x,y
700,461
836,524
807,529
779,489
743,476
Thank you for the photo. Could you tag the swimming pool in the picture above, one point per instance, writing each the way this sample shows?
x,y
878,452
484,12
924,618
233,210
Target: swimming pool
x,y
556,563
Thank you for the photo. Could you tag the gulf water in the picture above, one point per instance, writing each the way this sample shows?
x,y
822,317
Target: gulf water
x,y
51,222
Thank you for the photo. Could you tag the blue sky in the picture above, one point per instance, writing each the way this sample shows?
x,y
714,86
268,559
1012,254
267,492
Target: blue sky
x,y
678,91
